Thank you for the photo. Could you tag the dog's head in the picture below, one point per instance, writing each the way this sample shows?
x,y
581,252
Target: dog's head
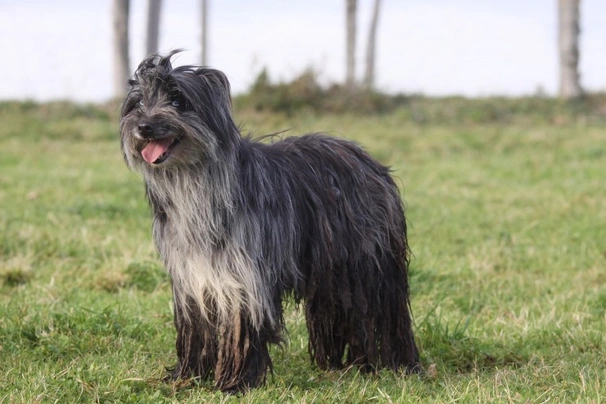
x,y
176,116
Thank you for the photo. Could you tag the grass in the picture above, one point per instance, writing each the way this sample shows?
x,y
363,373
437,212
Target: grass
x,y
507,225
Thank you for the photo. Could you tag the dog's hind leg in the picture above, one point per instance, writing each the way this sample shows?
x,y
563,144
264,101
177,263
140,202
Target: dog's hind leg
x,y
381,322
327,302
326,342
196,344
366,314
393,322
360,283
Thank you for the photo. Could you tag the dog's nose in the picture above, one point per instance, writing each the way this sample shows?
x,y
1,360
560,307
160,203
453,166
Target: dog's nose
x,y
146,128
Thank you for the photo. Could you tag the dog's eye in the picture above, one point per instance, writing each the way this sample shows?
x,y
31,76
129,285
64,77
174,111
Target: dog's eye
x,y
175,103
141,103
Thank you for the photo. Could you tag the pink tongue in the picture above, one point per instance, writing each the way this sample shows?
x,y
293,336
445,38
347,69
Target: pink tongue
x,y
155,149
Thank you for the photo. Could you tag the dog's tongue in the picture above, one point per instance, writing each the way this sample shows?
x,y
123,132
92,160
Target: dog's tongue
x,y
155,149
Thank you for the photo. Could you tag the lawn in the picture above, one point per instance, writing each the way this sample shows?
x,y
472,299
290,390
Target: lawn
x,y
508,281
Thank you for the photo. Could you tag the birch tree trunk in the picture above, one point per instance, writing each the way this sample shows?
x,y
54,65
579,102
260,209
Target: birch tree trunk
x,y
568,11
204,34
120,13
369,76
153,26
350,78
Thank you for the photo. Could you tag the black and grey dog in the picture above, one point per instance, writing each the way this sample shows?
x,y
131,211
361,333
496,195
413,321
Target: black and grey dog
x,y
240,224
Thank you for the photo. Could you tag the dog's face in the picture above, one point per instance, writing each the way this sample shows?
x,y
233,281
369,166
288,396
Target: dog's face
x,y
174,117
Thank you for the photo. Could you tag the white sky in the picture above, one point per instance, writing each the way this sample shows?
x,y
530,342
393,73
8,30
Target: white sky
x,y
61,49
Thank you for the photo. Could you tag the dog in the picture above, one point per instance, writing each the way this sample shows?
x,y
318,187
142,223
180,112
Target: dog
x,y
241,224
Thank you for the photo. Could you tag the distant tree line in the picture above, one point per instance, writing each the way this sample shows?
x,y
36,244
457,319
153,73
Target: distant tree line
x,y
568,41
368,82
569,30
120,13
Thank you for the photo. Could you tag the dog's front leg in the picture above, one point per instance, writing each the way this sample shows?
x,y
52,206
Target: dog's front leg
x,y
196,343
243,359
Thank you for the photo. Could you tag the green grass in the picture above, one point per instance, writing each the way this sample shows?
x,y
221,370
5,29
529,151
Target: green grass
x,y
507,226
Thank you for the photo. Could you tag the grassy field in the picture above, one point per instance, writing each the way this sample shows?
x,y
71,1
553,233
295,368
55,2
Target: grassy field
x,y
507,225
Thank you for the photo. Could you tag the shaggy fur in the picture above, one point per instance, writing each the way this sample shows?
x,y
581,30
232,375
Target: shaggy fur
x,y
239,224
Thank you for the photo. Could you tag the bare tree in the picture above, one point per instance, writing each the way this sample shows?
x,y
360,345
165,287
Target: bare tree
x,y
369,76
350,9
121,65
568,10
153,26
204,34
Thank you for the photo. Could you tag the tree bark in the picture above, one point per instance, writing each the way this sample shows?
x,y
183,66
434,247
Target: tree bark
x,y
121,63
153,26
369,76
569,31
204,34
350,78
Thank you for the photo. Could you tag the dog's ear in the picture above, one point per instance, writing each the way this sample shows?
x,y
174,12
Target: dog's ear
x,y
217,83
215,78
207,92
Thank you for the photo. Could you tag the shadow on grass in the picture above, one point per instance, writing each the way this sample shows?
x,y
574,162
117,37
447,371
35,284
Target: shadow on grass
x,y
452,350
160,390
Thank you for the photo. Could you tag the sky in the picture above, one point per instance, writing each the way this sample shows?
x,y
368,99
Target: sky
x,y
61,49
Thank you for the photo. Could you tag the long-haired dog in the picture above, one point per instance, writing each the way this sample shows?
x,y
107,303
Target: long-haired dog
x,y
240,224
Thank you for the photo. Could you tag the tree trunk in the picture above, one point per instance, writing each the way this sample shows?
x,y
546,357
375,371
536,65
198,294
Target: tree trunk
x,y
369,76
204,34
570,86
350,78
153,26
121,66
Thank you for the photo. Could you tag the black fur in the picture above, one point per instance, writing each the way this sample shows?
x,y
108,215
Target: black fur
x,y
240,224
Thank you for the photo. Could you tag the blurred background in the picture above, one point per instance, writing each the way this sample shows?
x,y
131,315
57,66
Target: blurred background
x,y
84,50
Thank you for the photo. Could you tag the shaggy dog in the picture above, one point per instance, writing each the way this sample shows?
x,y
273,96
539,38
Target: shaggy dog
x,y
240,224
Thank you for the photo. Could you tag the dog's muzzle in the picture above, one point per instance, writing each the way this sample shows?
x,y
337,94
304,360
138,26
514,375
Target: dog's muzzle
x,y
157,149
